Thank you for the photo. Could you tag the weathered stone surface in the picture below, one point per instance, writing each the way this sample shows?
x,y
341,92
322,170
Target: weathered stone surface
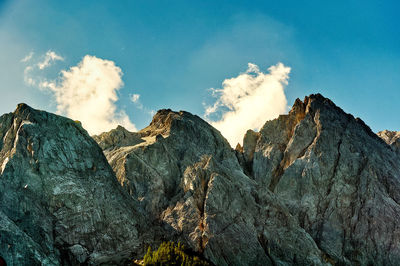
x,y
314,187
340,181
59,200
189,181
18,248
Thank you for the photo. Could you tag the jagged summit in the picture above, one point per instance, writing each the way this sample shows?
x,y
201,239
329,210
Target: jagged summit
x,y
166,120
317,102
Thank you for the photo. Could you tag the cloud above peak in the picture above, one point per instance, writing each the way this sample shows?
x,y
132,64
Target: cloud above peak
x,y
88,92
249,100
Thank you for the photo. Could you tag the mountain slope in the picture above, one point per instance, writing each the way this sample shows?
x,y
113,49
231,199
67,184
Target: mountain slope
x,y
60,202
317,169
188,179
340,180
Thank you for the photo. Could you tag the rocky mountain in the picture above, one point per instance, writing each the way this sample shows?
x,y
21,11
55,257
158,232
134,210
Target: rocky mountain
x,y
338,179
60,202
314,187
187,179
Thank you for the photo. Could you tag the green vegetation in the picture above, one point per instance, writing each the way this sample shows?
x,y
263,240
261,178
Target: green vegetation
x,y
170,254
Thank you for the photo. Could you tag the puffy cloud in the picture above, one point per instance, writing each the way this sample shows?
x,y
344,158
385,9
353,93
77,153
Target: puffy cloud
x,y
88,92
49,58
249,100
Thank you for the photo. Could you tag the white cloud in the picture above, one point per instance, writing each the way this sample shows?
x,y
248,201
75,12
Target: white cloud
x,y
27,58
249,100
31,70
49,58
88,92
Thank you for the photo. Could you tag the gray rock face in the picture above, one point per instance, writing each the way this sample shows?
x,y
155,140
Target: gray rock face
x,y
59,200
314,187
338,179
189,181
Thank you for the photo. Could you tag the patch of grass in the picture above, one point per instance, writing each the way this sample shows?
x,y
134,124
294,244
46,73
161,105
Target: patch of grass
x,y
168,253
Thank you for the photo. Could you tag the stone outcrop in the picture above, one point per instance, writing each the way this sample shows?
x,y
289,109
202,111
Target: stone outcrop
x,y
60,202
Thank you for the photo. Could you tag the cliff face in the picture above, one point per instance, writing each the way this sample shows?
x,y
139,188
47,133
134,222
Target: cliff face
x,y
338,179
189,181
314,187
60,201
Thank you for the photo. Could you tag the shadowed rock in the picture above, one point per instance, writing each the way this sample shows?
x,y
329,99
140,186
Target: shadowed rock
x,y
60,202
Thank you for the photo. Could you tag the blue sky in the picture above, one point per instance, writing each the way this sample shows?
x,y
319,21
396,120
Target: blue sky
x,y
173,52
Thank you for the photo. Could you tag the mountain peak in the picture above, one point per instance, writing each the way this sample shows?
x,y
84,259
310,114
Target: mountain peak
x,y
23,109
53,177
166,121
22,106
317,103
